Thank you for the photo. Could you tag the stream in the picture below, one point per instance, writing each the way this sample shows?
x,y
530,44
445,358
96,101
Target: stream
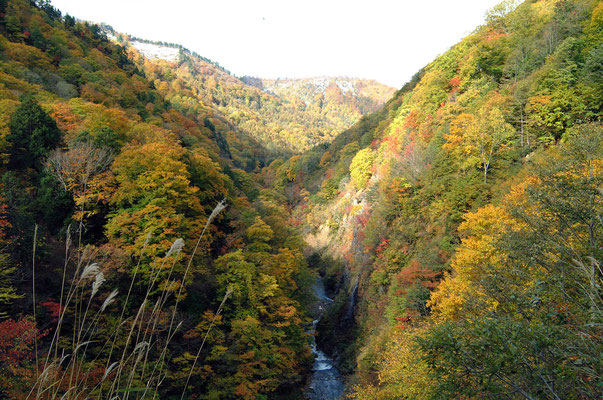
x,y
325,382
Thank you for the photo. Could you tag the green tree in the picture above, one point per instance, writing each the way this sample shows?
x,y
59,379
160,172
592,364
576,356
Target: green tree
x,y
14,28
493,131
37,38
237,274
259,234
478,140
33,133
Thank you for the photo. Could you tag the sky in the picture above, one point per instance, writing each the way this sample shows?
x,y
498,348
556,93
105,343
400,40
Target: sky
x,y
385,40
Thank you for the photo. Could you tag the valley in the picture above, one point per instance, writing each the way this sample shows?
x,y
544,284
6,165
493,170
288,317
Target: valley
x,y
287,116
170,230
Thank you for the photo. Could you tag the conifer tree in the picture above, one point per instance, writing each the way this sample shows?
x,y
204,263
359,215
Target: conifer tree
x,y
33,133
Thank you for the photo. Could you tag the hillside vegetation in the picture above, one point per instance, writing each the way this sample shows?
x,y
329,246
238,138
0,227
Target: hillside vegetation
x,y
138,257
163,223
285,116
461,224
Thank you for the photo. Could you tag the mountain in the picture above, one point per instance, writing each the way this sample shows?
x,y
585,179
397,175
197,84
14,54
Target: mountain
x,y
138,253
360,95
285,116
458,228
165,225
153,51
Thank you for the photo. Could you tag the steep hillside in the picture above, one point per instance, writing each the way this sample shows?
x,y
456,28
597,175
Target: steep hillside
x,y
156,238
287,116
460,225
137,257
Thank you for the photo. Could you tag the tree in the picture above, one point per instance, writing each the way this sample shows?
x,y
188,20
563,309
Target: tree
x,y
493,131
37,38
153,195
522,313
456,141
496,15
259,234
17,357
75,168
361,167
33,133
405,374
14,28
479,139
561,209
234,273
69,21
7,268
325,159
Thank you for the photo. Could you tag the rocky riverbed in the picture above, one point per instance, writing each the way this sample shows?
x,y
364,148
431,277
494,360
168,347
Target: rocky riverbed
x,y
326,382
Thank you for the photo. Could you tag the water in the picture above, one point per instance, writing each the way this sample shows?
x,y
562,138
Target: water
x,y
326,382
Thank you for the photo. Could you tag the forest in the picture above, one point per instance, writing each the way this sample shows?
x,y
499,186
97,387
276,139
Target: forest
x,y
284,116
163,224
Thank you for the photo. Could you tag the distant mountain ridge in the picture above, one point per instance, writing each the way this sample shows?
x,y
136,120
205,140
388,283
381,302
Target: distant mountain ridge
x,y
164,50
153,51
318,84
373,93
284,115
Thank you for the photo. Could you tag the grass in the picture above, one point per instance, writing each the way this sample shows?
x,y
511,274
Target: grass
x,y
133,359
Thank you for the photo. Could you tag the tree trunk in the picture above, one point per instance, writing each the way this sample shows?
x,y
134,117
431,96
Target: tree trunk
x,y
521,127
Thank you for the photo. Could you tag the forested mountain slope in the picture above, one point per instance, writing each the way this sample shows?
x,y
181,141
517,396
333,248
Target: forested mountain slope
x,y
340,100
461,224
285,116
138,257
153,243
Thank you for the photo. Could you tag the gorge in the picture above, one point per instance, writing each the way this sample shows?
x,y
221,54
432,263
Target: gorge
x,y
170,230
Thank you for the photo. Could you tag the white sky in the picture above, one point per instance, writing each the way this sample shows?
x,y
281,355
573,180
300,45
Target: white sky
x,y
385,40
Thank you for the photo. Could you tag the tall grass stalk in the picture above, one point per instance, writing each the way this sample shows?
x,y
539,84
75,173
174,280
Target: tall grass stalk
x,y
125,304
54,342
213,320
64,374
33,291
139,320
217,209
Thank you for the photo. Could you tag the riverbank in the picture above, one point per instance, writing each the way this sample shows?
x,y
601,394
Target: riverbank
x,y
326,382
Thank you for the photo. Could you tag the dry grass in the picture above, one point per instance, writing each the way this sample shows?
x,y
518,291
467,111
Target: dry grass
x,y
134,357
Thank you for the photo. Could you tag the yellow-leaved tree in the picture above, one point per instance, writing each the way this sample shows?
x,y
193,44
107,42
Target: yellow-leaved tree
x,y
457,296
361,167
477,140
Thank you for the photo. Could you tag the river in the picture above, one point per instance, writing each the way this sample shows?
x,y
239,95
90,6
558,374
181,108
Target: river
x,y
326,382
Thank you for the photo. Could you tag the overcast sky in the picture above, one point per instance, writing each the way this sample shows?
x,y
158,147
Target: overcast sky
x,y
385,40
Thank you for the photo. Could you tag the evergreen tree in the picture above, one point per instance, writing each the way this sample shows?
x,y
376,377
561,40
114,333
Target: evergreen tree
x,y
33,133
